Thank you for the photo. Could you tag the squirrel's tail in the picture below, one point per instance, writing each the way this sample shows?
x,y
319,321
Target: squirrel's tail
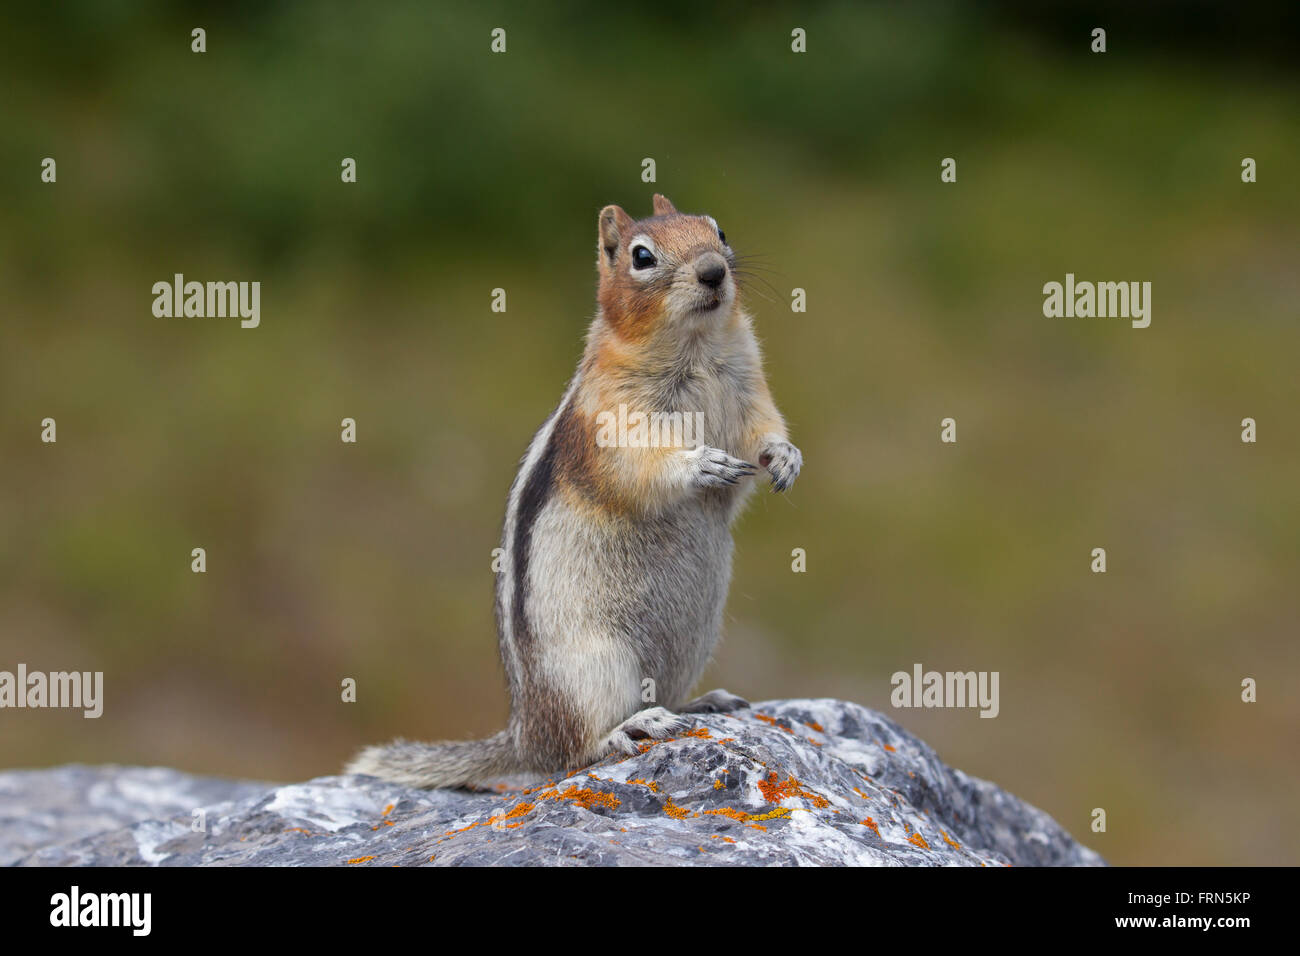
x,y
467,763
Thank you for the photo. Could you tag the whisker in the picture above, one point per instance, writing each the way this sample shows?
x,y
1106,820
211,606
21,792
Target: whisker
x,y
749,281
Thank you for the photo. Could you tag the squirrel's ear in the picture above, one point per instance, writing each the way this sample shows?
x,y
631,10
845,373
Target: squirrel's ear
x,y
613,224
663,206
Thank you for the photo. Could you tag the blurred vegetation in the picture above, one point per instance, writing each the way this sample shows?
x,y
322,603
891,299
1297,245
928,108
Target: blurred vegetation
x,y
475,171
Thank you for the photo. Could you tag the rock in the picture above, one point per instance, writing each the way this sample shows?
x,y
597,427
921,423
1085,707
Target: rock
x,y
819,782
46,808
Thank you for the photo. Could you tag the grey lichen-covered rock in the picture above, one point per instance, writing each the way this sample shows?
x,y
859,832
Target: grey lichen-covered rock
x,y
789,782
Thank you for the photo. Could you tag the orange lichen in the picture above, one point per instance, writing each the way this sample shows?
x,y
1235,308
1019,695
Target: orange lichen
x,y
388,809
919,840
774,722
815,726
298,830
361,859
861,794
584,798
701,732
518,810
869,822
948,840
654,787
740,816
717,785
775,792
890,749
674,811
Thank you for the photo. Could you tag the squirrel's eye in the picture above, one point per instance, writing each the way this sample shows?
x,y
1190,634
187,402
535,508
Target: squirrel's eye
x,y
722,237
642,258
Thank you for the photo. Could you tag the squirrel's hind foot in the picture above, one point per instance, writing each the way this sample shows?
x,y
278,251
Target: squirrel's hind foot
x,y
715,702
653,723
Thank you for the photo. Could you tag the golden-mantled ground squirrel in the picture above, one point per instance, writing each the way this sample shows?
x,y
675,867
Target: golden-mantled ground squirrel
x,y
617,542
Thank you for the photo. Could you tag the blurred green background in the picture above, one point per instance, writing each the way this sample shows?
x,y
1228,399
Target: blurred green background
x,y
477,171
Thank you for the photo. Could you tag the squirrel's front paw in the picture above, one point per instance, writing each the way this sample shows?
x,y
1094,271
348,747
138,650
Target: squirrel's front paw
x,y
783,461
714,468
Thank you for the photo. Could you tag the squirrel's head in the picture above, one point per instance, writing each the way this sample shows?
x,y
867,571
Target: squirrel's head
x,y
671,267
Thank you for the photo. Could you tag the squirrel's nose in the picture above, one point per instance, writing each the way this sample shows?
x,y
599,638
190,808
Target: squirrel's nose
x,y
711,269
